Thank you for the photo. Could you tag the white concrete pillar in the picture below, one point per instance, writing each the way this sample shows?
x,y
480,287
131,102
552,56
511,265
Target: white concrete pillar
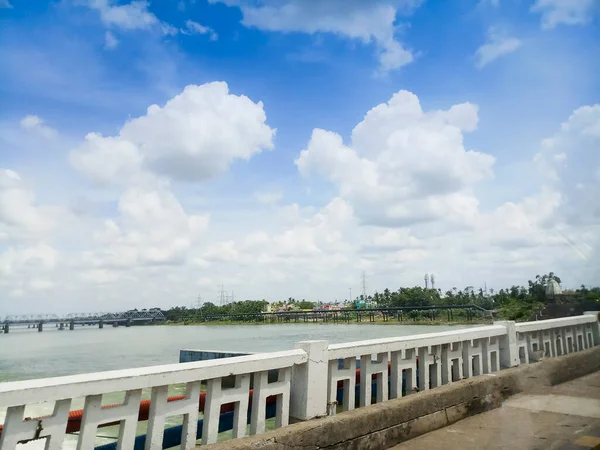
x,y
309,382
509,351
596,327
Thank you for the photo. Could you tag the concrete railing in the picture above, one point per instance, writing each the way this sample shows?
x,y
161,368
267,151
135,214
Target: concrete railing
x,y
438,358
311,380
17,395
555,337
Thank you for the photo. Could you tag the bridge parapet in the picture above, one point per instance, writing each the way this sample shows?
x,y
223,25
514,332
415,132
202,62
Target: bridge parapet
x,y
312,379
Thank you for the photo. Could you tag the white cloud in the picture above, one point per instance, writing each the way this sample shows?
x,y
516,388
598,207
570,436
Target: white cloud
x,y
20,216
402,197
369,22
110,41
153,229
568,12
570,161
34,124
404,164
196,28
34,258
497,45
5,4
196,135
269,197
130,16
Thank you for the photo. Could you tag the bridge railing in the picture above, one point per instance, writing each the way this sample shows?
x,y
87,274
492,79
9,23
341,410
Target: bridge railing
x,y
555,337
17,395
311,380
437,358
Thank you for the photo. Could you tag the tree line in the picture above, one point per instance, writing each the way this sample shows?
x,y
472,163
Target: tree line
x,y
514,303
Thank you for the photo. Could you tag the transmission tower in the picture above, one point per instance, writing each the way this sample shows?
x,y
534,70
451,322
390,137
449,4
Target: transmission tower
x,y
222,295
198,301
432,278
426,278
364,286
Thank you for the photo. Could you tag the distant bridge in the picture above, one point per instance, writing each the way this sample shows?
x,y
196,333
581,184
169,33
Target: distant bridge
x,y
127,318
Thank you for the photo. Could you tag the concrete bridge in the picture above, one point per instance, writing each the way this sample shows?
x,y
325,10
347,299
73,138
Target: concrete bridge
x,y
127,318
419,383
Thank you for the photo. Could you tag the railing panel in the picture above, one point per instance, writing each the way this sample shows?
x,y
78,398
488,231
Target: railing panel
x,y
555,337
17,395
438,358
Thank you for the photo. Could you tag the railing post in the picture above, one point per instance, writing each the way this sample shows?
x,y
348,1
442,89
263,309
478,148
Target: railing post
x,y
596,327
509,352
308,397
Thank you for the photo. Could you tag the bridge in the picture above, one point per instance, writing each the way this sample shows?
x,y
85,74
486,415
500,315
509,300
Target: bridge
x,y
420,383
127,318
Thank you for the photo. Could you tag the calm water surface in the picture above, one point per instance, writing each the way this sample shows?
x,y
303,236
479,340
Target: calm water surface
x,y
26,354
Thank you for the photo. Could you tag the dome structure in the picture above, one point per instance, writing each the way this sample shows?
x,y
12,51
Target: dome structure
x,y
553,288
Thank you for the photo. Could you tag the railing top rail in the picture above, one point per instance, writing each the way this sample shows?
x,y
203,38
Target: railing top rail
x,y
538,325
49,389
349,349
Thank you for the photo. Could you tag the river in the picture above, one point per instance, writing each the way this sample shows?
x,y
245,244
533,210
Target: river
x,y
27,354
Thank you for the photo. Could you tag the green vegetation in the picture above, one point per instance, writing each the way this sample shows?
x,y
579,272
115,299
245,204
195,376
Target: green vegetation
x,y
514,303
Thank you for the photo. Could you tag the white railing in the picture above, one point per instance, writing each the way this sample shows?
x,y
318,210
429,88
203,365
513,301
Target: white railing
x,y
439,358
309,378
555,337
16,395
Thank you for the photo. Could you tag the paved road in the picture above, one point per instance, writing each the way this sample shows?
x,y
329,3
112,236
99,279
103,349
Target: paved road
x,y
567,417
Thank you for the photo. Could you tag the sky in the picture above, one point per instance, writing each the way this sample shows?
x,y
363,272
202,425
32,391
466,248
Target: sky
x,y
157,152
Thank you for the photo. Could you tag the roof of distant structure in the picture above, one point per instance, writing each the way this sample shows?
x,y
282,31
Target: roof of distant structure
x,y
553,288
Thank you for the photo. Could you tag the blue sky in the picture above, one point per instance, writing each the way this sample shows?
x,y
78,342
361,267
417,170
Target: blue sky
x,y
83,66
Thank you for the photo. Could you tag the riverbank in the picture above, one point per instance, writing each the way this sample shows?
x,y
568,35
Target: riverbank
x,y
366,321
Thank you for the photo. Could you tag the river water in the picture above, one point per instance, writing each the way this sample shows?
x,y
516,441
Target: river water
x,y
26,353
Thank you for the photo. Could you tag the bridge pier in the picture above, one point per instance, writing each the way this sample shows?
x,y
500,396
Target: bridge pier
x,y
62,326
5,328
115,324
101,324
71,325
128,323
40,327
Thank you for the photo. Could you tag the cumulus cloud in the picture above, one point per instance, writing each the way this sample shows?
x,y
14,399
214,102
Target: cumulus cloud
x,y
37,257
196,28
567,12
400,197
34,124
498,44
369,22
152,229
195,136
403,164
570,162
130,16
20,216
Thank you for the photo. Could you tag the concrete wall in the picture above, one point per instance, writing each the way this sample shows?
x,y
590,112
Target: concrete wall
x,y
386,424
